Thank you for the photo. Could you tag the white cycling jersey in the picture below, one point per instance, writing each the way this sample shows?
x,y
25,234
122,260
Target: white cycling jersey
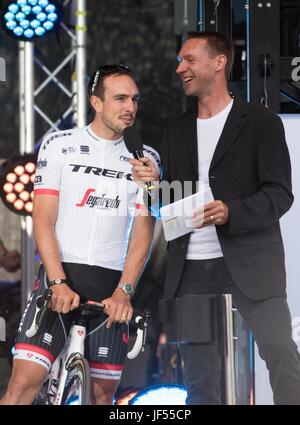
x,y
97,197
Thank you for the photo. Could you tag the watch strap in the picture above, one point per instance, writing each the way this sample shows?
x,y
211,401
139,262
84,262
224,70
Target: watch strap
x,y
127,288
57,282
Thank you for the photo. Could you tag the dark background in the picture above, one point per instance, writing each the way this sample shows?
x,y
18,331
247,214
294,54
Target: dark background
x,y
141,34
137,33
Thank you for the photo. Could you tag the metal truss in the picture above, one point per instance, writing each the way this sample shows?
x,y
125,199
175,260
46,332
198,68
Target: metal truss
x,y
30,111
77,54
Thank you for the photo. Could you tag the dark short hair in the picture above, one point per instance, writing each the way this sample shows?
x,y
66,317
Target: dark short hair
x,y
218,44
96,82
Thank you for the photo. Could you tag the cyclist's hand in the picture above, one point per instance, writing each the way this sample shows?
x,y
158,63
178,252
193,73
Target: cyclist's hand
x,y
63,298
118,307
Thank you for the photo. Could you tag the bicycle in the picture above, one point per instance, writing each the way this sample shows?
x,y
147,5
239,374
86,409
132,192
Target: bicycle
x,y
68,381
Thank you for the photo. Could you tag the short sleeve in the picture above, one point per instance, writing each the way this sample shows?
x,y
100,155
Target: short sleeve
x,y
154,156
50,161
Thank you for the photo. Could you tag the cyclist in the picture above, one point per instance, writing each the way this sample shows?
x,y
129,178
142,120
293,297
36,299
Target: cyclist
x,y
93,234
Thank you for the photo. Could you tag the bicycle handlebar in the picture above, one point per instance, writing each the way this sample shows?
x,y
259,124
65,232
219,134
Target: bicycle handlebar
x,y
140,342
43,301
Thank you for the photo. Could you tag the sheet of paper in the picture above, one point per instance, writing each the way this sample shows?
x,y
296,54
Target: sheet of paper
x,y
177,217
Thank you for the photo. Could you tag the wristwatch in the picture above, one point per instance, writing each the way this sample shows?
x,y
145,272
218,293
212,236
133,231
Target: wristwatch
x,y
127,288
57,282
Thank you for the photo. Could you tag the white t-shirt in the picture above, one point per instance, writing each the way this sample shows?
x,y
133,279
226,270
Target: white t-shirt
x,y
204,243
97,197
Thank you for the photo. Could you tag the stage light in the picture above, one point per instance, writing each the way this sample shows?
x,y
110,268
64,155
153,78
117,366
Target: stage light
x,y
16,183
168,394
30,19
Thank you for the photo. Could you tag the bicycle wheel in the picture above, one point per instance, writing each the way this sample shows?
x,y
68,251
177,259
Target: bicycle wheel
x,y
78,383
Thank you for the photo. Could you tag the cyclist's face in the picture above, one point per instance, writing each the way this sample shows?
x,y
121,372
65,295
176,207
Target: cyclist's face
x,y
119,107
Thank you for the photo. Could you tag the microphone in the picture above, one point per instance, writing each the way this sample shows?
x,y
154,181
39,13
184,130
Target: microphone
x,y
134,144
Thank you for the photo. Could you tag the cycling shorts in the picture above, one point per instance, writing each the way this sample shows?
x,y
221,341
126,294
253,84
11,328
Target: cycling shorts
x,y
105,349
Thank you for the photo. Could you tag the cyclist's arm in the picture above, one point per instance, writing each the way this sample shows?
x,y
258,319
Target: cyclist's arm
x,y
138,250
45,209
118,305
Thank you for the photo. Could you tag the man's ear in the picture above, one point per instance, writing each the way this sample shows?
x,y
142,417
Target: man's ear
x,y
221,62
96,103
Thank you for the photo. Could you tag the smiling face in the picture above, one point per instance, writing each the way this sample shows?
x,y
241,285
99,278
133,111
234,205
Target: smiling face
x,y
198,69
117,110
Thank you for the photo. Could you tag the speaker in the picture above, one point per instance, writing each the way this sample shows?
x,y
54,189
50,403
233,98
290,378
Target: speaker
x,y
264,53
194,319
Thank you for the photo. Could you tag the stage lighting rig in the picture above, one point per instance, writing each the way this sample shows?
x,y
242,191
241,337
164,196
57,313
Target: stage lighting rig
x,y
28,20
16,183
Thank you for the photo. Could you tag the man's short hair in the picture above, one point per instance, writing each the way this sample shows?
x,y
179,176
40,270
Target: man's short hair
x,y
96,83
217,44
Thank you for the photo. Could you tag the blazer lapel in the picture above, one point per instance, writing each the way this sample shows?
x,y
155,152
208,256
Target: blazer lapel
x,y
232,128
190,131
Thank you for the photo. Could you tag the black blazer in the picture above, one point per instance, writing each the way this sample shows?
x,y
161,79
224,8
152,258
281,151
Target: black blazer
x,y
251,172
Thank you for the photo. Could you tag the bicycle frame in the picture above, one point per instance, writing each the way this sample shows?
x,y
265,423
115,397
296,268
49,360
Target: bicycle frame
x,y
58,372
74,345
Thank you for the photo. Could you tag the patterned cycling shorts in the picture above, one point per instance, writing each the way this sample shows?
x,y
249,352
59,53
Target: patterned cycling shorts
x,y
105,349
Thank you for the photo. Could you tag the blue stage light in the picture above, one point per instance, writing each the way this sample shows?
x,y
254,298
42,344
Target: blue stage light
x,y
26,9
13,8
37,9
25,24
48,25
21,2
40,31
9,16
19,16
11,25
166,394
30,19
41,17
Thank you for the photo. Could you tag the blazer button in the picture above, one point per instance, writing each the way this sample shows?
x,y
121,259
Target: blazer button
x,y
212,177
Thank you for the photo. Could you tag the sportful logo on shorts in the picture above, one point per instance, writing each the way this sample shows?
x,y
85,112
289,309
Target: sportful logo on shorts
x,y
47,338
103,351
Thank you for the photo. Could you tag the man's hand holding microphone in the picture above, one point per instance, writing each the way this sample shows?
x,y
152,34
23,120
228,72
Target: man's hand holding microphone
x,y
144,172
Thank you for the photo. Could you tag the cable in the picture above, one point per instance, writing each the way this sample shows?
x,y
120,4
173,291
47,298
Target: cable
x,y
266,72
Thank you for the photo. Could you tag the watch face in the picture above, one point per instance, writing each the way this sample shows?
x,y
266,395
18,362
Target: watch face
x,y
128,289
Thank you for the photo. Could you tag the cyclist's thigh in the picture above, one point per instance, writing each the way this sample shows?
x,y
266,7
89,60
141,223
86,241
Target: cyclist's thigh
x,y
44,347
106,348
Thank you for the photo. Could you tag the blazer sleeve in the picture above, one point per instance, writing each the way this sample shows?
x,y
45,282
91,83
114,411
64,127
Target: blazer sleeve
x,y
274,196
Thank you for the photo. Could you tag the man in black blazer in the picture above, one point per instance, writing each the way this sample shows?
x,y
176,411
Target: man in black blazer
x,y
238,149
